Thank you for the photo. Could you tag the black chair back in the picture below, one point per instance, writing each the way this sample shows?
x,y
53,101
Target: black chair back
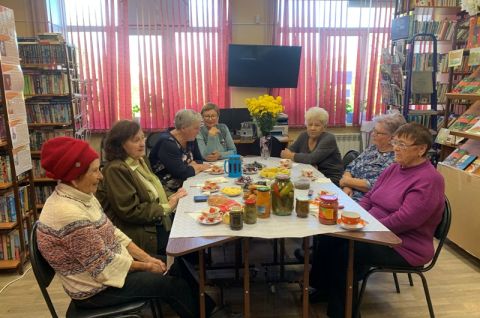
x,y
441,232
349,157
44,273
152,139
275,146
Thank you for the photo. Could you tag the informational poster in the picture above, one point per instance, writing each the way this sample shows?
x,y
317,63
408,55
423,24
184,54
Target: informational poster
x,y
13,91
455,58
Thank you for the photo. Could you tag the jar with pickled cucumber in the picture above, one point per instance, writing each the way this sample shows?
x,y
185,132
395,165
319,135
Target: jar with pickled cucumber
x,y
282,192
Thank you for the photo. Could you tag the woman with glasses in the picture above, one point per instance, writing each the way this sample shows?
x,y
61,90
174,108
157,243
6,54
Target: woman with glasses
x,y
214,139
360,175
408,198
131,195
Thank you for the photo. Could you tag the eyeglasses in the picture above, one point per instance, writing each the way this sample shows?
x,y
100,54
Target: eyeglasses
x,y
376,132
400,145
210,116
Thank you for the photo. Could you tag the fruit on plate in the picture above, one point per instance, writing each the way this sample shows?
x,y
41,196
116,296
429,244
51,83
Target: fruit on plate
x,y
244,180
216,169
272,172
232,191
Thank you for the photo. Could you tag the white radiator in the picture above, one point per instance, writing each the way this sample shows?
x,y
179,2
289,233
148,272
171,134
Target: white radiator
x,y
346,142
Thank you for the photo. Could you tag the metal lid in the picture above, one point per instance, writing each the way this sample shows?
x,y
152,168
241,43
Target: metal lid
x,y
303,198
329,198
283,177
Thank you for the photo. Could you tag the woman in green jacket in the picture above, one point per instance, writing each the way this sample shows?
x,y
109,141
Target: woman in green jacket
x,y
131,194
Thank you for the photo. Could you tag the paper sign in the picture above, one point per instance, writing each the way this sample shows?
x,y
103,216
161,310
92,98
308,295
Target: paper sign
x,y
455,58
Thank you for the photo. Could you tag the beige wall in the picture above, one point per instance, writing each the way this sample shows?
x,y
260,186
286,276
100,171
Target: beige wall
x,y
30,16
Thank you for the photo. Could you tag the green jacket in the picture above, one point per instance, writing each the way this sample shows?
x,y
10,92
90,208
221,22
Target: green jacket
x,y
126,202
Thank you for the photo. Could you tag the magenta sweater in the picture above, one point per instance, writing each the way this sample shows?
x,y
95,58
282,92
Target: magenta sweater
x,y
410,202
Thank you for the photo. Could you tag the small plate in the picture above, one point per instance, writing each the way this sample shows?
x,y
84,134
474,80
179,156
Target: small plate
x,y
204,220
211,190
356,227
216,173
232,194
250,172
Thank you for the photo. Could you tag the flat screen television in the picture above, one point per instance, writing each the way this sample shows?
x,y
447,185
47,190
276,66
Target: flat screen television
x,y
269,66
233,117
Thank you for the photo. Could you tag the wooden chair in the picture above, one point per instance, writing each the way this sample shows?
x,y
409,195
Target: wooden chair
x,y
44,274
441,234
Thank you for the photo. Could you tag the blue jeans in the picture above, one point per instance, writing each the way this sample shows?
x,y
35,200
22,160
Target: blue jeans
x,y
178,288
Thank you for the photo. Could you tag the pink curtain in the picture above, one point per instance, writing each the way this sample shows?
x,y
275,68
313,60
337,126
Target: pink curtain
x,y
157,56
341,47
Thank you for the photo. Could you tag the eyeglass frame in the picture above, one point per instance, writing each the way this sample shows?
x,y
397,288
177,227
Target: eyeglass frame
x,y
375,132
401,145
210,116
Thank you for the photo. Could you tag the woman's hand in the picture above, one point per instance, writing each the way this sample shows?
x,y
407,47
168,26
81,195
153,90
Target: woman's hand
x,y
213,131
287,154
173,199
346,180
214,156
155,265
348,191
199,167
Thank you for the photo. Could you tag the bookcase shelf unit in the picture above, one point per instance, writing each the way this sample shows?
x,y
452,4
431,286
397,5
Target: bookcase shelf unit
x,y
17,197
54,99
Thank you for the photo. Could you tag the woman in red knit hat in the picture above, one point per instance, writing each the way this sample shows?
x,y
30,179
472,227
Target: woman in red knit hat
x,y
98,264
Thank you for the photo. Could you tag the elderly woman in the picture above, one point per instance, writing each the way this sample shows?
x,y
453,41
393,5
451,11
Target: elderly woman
x,y
98,264
360,175
214,139
408,198
131,194
316,146
176,156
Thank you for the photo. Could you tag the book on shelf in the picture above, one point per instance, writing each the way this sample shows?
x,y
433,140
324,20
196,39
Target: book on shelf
x,y
465,161
469,84
473,39
464,122
475,129
445,138
474,167
452,158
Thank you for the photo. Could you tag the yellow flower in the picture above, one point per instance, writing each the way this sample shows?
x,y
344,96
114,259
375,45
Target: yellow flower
x,y
265,109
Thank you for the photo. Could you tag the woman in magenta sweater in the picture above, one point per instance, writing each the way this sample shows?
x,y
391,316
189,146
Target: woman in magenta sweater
x,y
408,198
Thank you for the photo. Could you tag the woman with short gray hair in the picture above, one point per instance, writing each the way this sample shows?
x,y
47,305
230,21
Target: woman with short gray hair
x,y
176,156
316,146
362,173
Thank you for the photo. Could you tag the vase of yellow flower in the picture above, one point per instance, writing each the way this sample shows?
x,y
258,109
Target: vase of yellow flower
x,y
264,110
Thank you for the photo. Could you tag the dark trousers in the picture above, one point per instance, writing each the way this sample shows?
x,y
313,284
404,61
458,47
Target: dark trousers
x,y
178,288
329,267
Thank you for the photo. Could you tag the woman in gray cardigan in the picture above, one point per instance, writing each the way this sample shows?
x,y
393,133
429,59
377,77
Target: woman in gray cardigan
x,y
316,146
214,139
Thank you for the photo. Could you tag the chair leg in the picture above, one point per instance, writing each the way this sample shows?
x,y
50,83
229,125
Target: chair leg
x,y
360,295
427,295
410,279
395,279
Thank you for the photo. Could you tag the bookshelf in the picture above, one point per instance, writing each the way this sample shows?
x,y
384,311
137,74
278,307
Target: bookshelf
x,y
17,211
53,98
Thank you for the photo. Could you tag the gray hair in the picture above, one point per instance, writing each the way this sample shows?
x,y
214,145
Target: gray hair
x,y
186,117
317,113
391,121
210,106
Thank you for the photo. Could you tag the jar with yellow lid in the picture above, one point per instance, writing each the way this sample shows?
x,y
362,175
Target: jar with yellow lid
x,y
282,195
328,209
263,202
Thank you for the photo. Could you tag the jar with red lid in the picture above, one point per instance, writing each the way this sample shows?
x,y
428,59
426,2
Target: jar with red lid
x,y
328,209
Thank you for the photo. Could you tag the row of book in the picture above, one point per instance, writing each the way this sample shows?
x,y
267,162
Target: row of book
x,y
38,171
468,123
443,30
462,160
425,98
469,84
5,170
391,94
45,84
49,112
39,136
3,132
10,245
8,210
42,192
36,53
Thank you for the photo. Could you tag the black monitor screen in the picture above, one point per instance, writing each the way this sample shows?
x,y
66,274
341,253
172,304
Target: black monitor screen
x,y
233,117
270,66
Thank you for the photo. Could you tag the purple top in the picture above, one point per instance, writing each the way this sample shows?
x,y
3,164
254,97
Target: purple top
x,y
410,202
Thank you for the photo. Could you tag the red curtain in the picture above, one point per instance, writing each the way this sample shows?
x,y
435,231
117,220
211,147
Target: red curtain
x,y
157,56
341,47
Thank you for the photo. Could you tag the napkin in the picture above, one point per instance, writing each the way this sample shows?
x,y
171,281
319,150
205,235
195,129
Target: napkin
x,y
323,180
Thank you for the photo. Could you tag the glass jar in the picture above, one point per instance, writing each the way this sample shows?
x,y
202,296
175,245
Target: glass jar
x,y
328,209
302,206
263,202
236,220
282,195
250,211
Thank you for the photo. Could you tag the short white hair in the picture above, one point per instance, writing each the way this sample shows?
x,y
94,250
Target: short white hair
x,y
186,117
391,122
317,113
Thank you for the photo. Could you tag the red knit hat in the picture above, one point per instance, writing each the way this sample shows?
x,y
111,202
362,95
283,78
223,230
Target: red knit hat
x,y
66,158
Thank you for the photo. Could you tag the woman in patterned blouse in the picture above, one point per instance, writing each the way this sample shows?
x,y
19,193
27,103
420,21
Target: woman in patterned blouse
x,y
361,174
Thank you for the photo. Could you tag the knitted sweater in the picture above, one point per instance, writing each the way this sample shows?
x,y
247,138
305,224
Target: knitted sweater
x,y
222,142
409,202
76,238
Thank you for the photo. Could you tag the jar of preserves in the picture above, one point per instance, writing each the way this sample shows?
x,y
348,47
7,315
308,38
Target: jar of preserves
x,y
236,219
250,211
263,202
302,205
328,209
282,195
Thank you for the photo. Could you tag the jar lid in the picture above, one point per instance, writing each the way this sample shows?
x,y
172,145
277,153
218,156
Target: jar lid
x,y
328,197
303,198
263,189
250,201
283,177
